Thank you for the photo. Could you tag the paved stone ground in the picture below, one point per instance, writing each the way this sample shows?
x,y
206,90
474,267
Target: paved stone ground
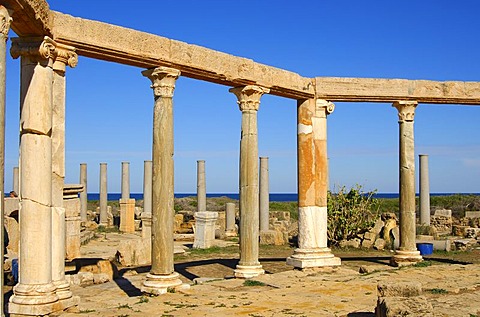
x,y
453,289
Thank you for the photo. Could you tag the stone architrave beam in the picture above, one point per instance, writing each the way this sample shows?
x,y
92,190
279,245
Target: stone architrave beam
x,y
127,46
30,17
391,90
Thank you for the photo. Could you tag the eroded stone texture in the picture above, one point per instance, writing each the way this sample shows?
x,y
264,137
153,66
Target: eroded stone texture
x,y
127,215
312,248
249,102
407,253
71,204
390,90
201,187
230,229
105,41
204,229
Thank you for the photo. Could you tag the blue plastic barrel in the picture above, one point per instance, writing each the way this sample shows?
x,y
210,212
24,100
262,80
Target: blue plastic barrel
x,y
425,248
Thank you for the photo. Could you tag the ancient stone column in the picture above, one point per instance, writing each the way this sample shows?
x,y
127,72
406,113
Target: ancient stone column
x,y
147,201
230,230
312,248
127,205
35,292
201,187
103,195
71,203
264,195
162,275
5,21
407,253
424,191
64,55
15,180
249,102
83,194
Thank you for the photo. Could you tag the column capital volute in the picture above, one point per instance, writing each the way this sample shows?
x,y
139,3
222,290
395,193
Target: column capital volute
x,y
323,108
64,55
406,110
5,21
249,96
163,80
35,48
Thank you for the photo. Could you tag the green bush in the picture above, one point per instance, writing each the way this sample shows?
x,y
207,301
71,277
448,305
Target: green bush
x,y
350,213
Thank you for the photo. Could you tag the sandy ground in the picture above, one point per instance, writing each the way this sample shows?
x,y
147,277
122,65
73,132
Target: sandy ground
x,y
452,289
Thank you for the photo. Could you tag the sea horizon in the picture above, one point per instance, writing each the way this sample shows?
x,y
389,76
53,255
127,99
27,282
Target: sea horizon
x,y
280,197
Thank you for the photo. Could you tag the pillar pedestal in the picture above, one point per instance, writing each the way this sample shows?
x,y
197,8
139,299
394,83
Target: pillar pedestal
x,y
248,271
127,215
156,284
204,229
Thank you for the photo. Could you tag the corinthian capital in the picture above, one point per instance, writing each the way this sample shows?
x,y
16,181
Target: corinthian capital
x,y
249,96
406,110
64,55
35,48
323,108
163,80
5,21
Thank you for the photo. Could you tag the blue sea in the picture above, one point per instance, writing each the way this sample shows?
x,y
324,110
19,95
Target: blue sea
x,y
273,196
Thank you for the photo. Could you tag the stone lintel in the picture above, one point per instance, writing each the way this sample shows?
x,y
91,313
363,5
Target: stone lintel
x,y
30,17
126,46
391,90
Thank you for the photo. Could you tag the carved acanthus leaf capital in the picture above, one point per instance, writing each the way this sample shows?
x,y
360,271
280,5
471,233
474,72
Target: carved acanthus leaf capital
x,y
36,48
323,107
163,80
249,96
64,55
406,110
5,21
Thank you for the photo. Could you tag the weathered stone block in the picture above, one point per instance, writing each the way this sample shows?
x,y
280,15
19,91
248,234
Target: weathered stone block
x,y
204,229
402,289
134,252
127,215
401,306
271,237
443,212
472,214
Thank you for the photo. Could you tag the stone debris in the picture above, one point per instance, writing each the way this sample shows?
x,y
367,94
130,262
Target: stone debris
x,y
402,299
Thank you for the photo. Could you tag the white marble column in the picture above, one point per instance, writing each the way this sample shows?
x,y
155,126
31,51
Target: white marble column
x,y
5,21
201,187
407,254
312,248
424,191
64,55
103,195
125,180
162,275
35,292
249,102
83,194
147,201
264,195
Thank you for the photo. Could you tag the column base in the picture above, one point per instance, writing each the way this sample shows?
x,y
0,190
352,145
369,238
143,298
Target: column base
x,y
405,258
159,284
63,289
248,271
303,258
33,300
17,310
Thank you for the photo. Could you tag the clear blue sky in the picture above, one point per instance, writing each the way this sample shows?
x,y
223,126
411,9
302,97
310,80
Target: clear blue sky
x,y
109,106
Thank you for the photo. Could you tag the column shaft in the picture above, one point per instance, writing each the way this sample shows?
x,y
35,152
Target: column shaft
x,y
312,186
162,275
264,195
201,187
5,27
83,194
147,201
407,253
424,191
63,55
15,180
103,194
125,180
35,285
